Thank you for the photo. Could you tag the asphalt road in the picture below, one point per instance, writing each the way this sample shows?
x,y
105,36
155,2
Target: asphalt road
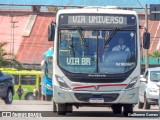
x,y
42,110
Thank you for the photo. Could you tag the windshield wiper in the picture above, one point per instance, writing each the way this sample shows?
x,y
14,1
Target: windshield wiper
x,y
110,37
81,36
114,32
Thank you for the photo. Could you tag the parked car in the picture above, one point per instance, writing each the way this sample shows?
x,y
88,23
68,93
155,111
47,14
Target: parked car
x,y
149,91
6,87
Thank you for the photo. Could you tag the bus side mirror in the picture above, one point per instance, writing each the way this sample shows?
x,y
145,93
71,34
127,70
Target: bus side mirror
x,y
146,40
51,32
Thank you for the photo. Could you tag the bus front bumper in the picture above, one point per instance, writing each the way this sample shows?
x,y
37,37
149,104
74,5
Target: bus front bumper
x,y
115,97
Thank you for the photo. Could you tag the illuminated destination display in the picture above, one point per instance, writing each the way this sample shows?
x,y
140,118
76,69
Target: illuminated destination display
x,y
96,19
78,61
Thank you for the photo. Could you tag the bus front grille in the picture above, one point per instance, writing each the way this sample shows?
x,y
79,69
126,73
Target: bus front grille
x,y
85,97
97,80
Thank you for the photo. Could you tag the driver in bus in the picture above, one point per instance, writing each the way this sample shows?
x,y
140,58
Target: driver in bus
x,y
120,46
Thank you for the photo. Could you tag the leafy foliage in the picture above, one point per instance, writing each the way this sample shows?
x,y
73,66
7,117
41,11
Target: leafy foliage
x,y
7,60
53,9
155,54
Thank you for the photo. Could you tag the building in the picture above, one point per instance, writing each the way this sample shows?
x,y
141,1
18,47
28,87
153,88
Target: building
x,y
24,24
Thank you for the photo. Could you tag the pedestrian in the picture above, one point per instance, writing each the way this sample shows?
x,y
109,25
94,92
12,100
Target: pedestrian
x,y
35,93
20,92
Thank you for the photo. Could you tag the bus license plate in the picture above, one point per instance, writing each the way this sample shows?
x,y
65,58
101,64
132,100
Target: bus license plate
x,y
96,100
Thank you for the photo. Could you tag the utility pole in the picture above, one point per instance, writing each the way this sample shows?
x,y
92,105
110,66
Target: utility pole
x,y
146,30
12,35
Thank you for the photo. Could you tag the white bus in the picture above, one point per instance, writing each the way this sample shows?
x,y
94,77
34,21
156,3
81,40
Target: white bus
x,y
89,68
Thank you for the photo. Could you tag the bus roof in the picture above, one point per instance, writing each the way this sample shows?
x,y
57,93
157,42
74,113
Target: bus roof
x,y
20,72
96,10
48,53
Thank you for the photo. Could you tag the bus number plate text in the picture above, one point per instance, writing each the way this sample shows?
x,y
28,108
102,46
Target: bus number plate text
x,y
96,100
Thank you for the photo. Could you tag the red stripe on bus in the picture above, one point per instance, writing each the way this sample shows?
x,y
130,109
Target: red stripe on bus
x,y
103,85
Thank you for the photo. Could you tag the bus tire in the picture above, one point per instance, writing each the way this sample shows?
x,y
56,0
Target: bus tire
x,y
29,96
127,108
48,97
146,104
117,109
54,107
69,108
140,104
62,109
9,97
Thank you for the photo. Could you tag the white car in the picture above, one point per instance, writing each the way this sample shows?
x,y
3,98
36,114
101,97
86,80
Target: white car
x,y
149,91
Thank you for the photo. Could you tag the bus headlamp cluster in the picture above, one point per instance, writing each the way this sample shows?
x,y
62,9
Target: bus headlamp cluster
x,y
48,86
132,83
61,82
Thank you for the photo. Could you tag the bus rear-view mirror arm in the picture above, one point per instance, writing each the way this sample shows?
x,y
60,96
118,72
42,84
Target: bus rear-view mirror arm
x,y
51,31
146,40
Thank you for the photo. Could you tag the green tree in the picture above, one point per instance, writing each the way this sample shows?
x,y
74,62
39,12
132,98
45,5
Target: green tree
x,y
155,54
53,9
6,59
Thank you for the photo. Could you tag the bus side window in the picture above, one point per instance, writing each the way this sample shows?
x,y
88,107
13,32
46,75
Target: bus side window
x,y
33,81
28,79
16,79
23,80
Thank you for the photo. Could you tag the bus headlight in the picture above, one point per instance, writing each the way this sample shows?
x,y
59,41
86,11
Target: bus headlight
x,y
61,82
132,83
48,86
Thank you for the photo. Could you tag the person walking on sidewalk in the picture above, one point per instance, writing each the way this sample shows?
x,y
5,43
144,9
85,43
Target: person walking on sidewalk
x,y
20,92
35,93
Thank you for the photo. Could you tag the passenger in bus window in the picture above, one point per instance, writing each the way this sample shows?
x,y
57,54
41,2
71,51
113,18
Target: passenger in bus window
x,y
20,92
120,46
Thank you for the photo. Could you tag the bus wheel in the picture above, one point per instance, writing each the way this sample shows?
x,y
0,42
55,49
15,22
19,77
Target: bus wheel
x,y
29,96
140,105
62,109
9,97
146,104
127,108
54,107
117,109
69,108
48,97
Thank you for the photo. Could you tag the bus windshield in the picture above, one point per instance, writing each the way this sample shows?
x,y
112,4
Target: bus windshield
x,y
90,51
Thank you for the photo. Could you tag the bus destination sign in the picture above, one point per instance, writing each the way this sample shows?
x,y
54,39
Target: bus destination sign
x,y
97,20
102,20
